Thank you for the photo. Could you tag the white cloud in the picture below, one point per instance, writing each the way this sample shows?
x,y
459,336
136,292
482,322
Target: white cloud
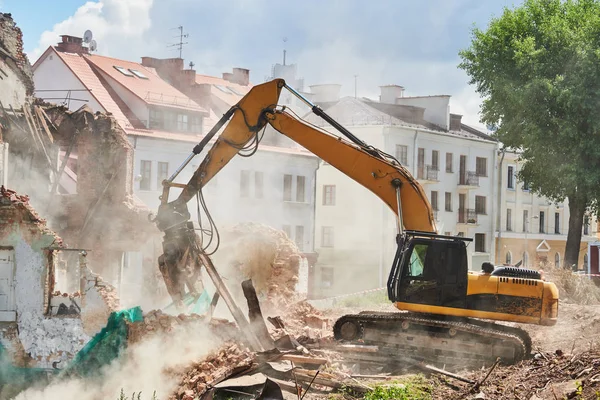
x,y
115,23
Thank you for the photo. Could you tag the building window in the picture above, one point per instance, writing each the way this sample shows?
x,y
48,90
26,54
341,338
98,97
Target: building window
x,y
586,225
244,183
182,122
525,259
480,242
156,119
448,198
480,205
169,121
508,219
300,185
162,174
448,233
146,172
138,73
508,258
525,220
542,222
196,124
434,200
526,186
435,160
123,71
557,223
327,236
460,234
287,187
329,195
299,237
258,185
510,183
557,260
288,230
449,162
402,154
481,166
326,276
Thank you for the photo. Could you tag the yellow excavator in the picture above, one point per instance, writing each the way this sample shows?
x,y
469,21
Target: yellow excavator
x,y
447,312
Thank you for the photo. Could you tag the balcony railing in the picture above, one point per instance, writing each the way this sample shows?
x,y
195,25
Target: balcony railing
x,y
467,216
427,173
468,178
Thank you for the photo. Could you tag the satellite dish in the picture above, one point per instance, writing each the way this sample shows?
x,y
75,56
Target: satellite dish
x,y
93,45
87,36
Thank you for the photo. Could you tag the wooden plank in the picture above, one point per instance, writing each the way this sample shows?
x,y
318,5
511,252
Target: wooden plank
x,y
38,111
357,348
48,119
304,359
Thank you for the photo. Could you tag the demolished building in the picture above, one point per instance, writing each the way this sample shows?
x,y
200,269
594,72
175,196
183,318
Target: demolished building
x,y
41,326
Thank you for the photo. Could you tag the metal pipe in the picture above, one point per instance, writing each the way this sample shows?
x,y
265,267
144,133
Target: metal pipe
x,y
398,184
298,95
181,167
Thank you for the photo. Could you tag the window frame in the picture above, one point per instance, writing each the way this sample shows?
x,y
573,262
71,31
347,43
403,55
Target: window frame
x,y
448,201
449,166
327,232
479,244
484,164
159,173
510,180
477,209
146,182
287,187
244,183
402,156
329,198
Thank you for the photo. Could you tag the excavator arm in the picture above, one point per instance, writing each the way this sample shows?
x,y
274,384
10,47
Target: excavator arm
x,y
373,169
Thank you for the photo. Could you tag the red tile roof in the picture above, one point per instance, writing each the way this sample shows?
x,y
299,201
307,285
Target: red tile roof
x,y
153,90
230,96
82,70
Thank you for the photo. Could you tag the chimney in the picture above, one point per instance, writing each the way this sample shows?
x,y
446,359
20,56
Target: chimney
x,y
241,76
455,122
228,76
71,44
325,93
389,93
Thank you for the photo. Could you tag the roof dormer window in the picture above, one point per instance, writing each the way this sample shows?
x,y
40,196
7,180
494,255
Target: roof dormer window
x,y
138,73
122,70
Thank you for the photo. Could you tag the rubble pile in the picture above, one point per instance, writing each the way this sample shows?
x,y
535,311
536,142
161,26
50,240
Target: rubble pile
x,y
156,322
545,376
573,288
304,322
202,375
265,255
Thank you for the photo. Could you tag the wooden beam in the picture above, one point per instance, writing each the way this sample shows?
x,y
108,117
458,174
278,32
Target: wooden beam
x,y
257,322
38,111
304,359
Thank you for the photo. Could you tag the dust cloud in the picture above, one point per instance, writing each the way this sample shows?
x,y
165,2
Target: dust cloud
x,y
149,366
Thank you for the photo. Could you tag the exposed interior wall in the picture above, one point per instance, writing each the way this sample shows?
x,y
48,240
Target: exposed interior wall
x,y
17,80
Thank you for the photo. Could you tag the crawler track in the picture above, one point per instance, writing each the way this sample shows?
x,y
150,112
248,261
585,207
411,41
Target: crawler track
x,y
431,338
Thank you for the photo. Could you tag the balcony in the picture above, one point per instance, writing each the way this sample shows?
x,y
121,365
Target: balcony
x,y
467,217
468,180
427,173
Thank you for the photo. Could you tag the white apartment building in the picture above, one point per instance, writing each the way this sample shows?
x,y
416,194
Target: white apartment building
x,y
164,121
355,232
531,228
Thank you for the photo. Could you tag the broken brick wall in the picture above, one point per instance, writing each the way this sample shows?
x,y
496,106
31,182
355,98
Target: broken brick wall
x,y
32,331
102,215
16,76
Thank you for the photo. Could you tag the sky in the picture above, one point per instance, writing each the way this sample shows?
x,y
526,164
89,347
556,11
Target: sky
x,y
413,43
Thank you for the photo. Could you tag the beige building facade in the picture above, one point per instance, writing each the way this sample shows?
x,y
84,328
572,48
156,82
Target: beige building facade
x,y
531,228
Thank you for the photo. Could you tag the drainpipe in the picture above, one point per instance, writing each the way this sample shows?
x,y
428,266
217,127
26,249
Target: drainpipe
x,y
415,153
314,234
499,212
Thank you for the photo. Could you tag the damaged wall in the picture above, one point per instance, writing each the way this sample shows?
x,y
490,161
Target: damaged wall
x,y
16,76
27,293
97,209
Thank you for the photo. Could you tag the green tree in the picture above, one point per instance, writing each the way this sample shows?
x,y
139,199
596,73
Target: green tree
x,y
537,68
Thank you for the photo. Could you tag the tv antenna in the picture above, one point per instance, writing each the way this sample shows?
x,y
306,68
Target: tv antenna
x,y
181,36
284,51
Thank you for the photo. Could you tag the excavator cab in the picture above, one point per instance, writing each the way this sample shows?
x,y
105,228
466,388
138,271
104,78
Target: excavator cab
x,y
429,269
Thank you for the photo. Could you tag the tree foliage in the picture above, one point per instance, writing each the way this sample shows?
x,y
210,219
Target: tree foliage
x,y
537,68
